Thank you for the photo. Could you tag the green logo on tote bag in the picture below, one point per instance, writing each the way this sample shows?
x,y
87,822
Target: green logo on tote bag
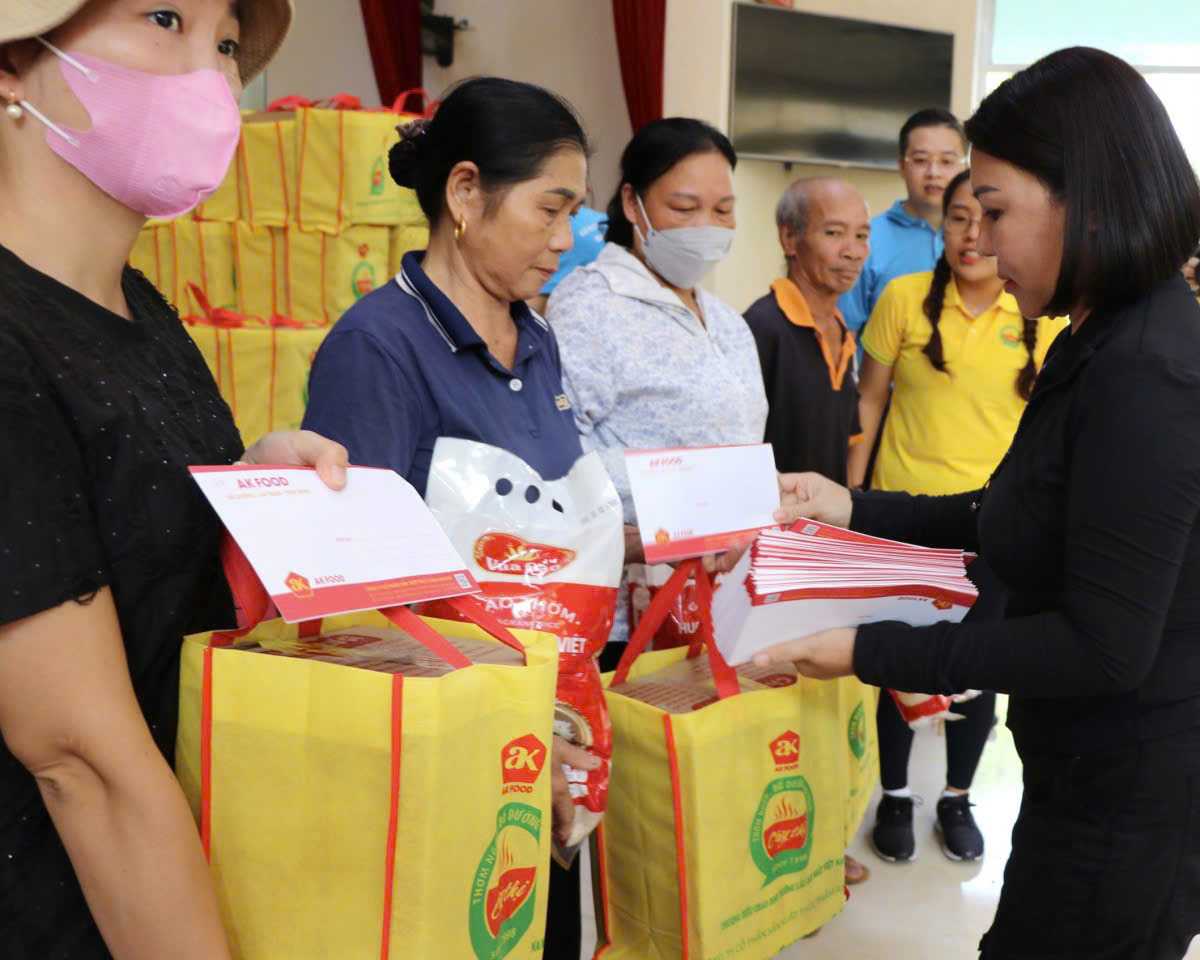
x,y
504,892
857,732
782,829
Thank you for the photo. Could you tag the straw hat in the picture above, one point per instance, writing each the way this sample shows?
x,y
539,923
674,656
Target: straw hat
x,y
264,25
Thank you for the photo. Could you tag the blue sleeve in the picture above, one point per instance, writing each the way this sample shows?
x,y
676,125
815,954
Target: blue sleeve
x,y
367,399
857,303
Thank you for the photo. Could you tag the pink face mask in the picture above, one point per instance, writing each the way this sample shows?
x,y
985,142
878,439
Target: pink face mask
x,y
158,144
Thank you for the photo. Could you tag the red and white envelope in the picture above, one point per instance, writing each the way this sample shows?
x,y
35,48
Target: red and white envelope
x,y
321,552
813,577
692,501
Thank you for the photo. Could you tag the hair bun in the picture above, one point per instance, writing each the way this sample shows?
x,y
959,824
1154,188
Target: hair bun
x,y
404,158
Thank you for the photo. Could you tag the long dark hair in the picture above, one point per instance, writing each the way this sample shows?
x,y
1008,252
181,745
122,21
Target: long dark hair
x,y
508,129
1090,128
935,300
654,150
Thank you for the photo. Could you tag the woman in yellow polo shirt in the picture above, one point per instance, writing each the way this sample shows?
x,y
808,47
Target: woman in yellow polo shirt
x,y
960,361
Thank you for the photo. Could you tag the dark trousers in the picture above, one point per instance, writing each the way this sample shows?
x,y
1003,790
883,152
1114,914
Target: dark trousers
x,y
1105,860
965,738
564,921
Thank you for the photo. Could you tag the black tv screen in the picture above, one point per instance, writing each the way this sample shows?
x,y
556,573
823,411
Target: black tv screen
x,y
819,89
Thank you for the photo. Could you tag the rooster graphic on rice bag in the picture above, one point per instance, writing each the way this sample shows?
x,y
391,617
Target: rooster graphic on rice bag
x,y
548,556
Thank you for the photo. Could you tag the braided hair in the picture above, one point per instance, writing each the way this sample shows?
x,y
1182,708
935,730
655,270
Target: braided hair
x,y
935,300
1029,372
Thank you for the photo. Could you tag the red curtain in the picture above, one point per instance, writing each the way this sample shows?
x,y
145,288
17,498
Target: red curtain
x,y
394,37
641,29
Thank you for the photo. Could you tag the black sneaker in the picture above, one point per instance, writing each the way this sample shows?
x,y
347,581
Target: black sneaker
x,y
893,837
961,839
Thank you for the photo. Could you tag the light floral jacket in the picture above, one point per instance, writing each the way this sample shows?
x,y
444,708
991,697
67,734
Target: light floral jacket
x,y
641,371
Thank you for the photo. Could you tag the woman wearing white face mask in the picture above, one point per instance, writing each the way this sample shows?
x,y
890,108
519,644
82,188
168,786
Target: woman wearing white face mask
x,y
115,110
651,359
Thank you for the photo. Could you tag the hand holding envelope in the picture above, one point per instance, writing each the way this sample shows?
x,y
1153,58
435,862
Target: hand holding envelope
x,y
301,448
813,497
826,655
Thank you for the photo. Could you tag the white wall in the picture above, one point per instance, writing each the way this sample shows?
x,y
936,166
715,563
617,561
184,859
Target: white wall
x,y
325,53
568,46
696,83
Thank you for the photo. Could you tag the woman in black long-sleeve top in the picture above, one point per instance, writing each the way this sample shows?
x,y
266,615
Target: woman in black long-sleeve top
x,y
1092,521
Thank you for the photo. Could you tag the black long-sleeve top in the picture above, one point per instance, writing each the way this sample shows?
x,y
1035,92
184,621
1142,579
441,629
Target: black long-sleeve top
x,y
1091,523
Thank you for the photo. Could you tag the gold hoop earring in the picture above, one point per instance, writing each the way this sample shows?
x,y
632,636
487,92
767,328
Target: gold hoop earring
x,y
460,231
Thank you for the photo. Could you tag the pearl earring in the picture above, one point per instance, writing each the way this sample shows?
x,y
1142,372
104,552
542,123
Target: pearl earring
x,y
13,109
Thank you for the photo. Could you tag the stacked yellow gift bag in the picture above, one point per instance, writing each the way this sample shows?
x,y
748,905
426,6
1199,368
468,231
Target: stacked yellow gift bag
x,y
373,785
725,828
307,222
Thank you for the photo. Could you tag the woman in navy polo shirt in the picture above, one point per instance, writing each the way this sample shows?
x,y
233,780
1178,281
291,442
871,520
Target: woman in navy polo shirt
x,y
450,348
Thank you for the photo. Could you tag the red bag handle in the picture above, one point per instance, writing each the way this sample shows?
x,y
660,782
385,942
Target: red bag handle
x,y
290,102
217,316
254,605
724,676
341,101
401,101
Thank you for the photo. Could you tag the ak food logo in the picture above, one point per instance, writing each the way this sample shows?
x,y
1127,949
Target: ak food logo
x,y
856,732
662,538
785,750
521,764
781,831
942,604
505,553
1010,336
300,587
503,894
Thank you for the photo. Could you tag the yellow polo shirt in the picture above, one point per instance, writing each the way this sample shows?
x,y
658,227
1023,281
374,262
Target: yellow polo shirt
x,y
946,432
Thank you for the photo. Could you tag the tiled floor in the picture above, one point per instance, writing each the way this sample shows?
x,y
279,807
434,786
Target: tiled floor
x,y
931,907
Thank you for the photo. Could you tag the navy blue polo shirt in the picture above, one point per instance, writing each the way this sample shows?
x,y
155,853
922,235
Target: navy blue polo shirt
x,y
403,367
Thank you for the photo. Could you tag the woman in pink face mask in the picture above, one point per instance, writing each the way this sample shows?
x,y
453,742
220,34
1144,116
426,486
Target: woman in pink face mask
x,y
113,110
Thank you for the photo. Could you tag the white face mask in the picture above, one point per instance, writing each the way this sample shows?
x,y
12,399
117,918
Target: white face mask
x,y
683,256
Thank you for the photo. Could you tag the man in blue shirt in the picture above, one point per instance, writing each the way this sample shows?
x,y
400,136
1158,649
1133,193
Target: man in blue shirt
x,y
907,238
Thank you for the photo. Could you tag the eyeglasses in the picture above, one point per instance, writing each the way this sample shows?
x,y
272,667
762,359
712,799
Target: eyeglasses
x,y
948,164
959,223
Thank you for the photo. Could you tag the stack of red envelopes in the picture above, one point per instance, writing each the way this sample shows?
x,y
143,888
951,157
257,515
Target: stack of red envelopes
x,y
814,577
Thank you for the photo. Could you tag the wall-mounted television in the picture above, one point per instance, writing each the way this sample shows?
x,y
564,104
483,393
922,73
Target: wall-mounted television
x,y
816,89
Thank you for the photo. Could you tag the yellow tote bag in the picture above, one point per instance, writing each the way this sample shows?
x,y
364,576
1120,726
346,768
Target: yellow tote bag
x,y
405,239
261,371
349,811
856,707
342,171
225,205
240,362
204,257
268,161
258,260
294,351
724,835
328,274
154,254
